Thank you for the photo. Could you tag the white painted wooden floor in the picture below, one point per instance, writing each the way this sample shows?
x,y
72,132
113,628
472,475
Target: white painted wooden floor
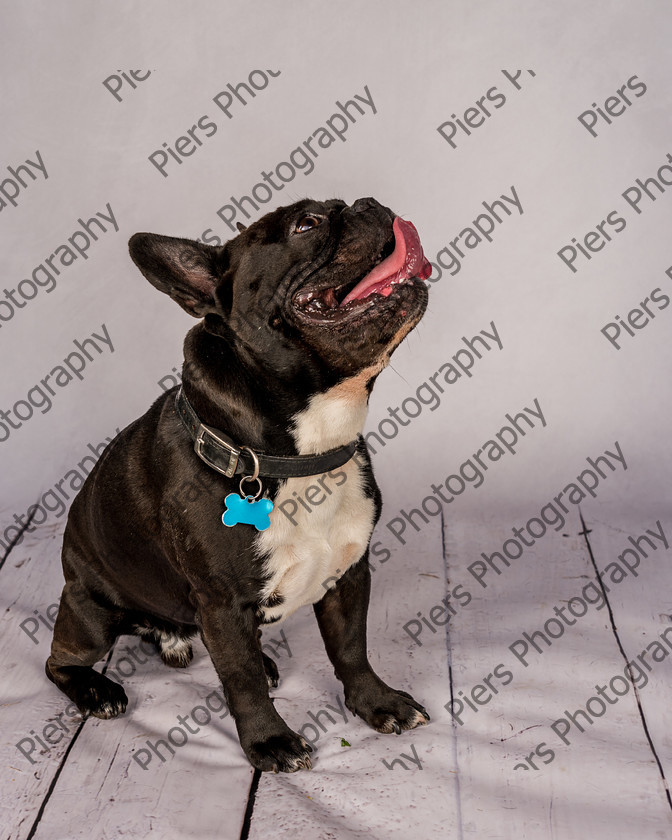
x,y
457,781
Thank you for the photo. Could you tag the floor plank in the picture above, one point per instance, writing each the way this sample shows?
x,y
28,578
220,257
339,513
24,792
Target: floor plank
x,y
642,607
197,789
351,793
605,783
30,580
99,782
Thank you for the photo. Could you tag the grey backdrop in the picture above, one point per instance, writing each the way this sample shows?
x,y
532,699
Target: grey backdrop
x,y
424,65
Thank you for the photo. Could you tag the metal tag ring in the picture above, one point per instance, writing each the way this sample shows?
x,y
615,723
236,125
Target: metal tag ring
x,y
255,474
247,495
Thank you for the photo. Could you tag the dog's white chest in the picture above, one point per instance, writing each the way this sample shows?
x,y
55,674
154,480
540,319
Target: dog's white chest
x,y
320,525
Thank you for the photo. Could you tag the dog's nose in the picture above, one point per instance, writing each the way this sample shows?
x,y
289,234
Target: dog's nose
x,y
363,204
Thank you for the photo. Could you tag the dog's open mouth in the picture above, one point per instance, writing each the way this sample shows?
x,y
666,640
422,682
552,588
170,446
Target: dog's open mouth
x,y
400,261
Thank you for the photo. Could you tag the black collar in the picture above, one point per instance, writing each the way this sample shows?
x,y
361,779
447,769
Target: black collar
x,y
218,451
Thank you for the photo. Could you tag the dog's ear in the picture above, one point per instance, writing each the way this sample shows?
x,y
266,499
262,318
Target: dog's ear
x,y
188,271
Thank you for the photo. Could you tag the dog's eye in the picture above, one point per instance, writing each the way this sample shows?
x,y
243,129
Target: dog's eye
x,y
307,223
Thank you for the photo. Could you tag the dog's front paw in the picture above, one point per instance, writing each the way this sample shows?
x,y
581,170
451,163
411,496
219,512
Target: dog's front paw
x,y
284,753
100,697
385,709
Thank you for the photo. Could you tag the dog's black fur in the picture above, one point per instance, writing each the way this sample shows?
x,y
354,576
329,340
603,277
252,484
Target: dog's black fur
x,y
136,561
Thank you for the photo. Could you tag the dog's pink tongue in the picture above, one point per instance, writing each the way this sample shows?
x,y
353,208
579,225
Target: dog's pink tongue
x,y
407,260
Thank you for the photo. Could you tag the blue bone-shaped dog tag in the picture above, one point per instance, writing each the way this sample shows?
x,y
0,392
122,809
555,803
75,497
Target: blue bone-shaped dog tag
x,y
247,511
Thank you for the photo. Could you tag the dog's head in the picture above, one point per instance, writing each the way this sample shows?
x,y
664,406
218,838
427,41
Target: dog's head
x,y
346,282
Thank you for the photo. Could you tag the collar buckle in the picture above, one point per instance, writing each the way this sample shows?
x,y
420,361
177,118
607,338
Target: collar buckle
x,y
206,434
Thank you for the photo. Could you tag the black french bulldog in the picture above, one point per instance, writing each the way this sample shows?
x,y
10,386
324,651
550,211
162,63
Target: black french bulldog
x,y
301,312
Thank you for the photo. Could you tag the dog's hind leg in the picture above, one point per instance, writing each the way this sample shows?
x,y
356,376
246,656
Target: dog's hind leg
x,y
85,630
174,649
